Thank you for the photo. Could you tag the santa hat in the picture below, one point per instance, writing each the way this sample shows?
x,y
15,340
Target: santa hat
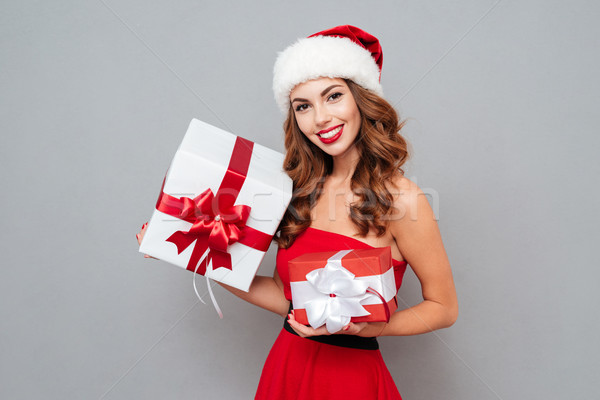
x,y
341,52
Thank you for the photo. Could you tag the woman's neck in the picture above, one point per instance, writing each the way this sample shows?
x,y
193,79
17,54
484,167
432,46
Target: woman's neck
x,y
344,166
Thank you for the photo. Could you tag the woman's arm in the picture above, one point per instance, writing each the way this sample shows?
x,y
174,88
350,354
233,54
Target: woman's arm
x,y
418,238
265,292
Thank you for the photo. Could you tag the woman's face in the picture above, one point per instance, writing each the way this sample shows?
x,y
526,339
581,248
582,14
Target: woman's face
x,y
327,114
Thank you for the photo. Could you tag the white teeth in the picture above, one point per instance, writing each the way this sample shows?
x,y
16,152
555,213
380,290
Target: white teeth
x,y
331,133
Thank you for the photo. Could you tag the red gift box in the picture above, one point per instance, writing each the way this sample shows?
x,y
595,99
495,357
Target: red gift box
x,y
336,287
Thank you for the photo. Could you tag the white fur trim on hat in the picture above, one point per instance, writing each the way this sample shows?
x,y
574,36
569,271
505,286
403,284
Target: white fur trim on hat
x,y
323,56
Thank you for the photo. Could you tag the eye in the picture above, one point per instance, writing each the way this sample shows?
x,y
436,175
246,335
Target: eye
x,y
335,96
301,107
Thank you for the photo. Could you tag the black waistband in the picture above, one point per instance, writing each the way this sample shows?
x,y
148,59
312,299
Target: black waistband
x,y
351,341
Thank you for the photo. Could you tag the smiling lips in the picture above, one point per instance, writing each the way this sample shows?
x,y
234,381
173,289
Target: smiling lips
x,y
331,135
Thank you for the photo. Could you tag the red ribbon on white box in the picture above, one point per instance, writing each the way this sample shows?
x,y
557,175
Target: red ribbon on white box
x,y
333,295
216,221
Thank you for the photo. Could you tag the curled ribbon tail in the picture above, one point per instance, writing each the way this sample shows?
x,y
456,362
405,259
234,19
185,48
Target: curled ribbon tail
x,y
385,304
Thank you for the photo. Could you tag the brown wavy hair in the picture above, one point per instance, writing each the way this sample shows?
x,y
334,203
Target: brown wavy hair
x,y
382,151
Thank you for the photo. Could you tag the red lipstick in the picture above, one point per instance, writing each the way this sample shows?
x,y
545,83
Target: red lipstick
x,y
333,138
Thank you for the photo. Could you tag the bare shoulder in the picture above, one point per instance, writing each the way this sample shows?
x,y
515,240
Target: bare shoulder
x,y
406,192
401,183
410,208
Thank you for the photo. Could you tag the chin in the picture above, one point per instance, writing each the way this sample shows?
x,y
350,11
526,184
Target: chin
x,y
335,152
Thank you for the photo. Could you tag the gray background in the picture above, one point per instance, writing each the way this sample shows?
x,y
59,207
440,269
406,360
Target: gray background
x,y
95,97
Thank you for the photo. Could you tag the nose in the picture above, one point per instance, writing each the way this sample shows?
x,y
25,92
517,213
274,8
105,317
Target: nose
x,y
322,115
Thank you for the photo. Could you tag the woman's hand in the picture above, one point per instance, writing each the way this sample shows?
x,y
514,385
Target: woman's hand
x,y
365,329
140,236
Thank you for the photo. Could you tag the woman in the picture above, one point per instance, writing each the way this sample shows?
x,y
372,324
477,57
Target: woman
x,y
344,155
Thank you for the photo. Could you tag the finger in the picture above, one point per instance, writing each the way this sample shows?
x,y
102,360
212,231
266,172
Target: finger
x,y
295,326
142,232
354,328
302,329
292,319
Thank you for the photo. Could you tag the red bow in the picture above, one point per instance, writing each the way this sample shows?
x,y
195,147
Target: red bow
x,y
211,228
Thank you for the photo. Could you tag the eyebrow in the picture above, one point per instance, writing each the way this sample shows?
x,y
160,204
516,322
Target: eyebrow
x,y
322,93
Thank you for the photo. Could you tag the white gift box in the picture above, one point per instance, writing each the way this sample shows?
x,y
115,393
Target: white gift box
x,y
205,157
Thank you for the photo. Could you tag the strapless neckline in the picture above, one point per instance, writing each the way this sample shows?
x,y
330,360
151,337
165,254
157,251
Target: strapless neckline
x,y
356,240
